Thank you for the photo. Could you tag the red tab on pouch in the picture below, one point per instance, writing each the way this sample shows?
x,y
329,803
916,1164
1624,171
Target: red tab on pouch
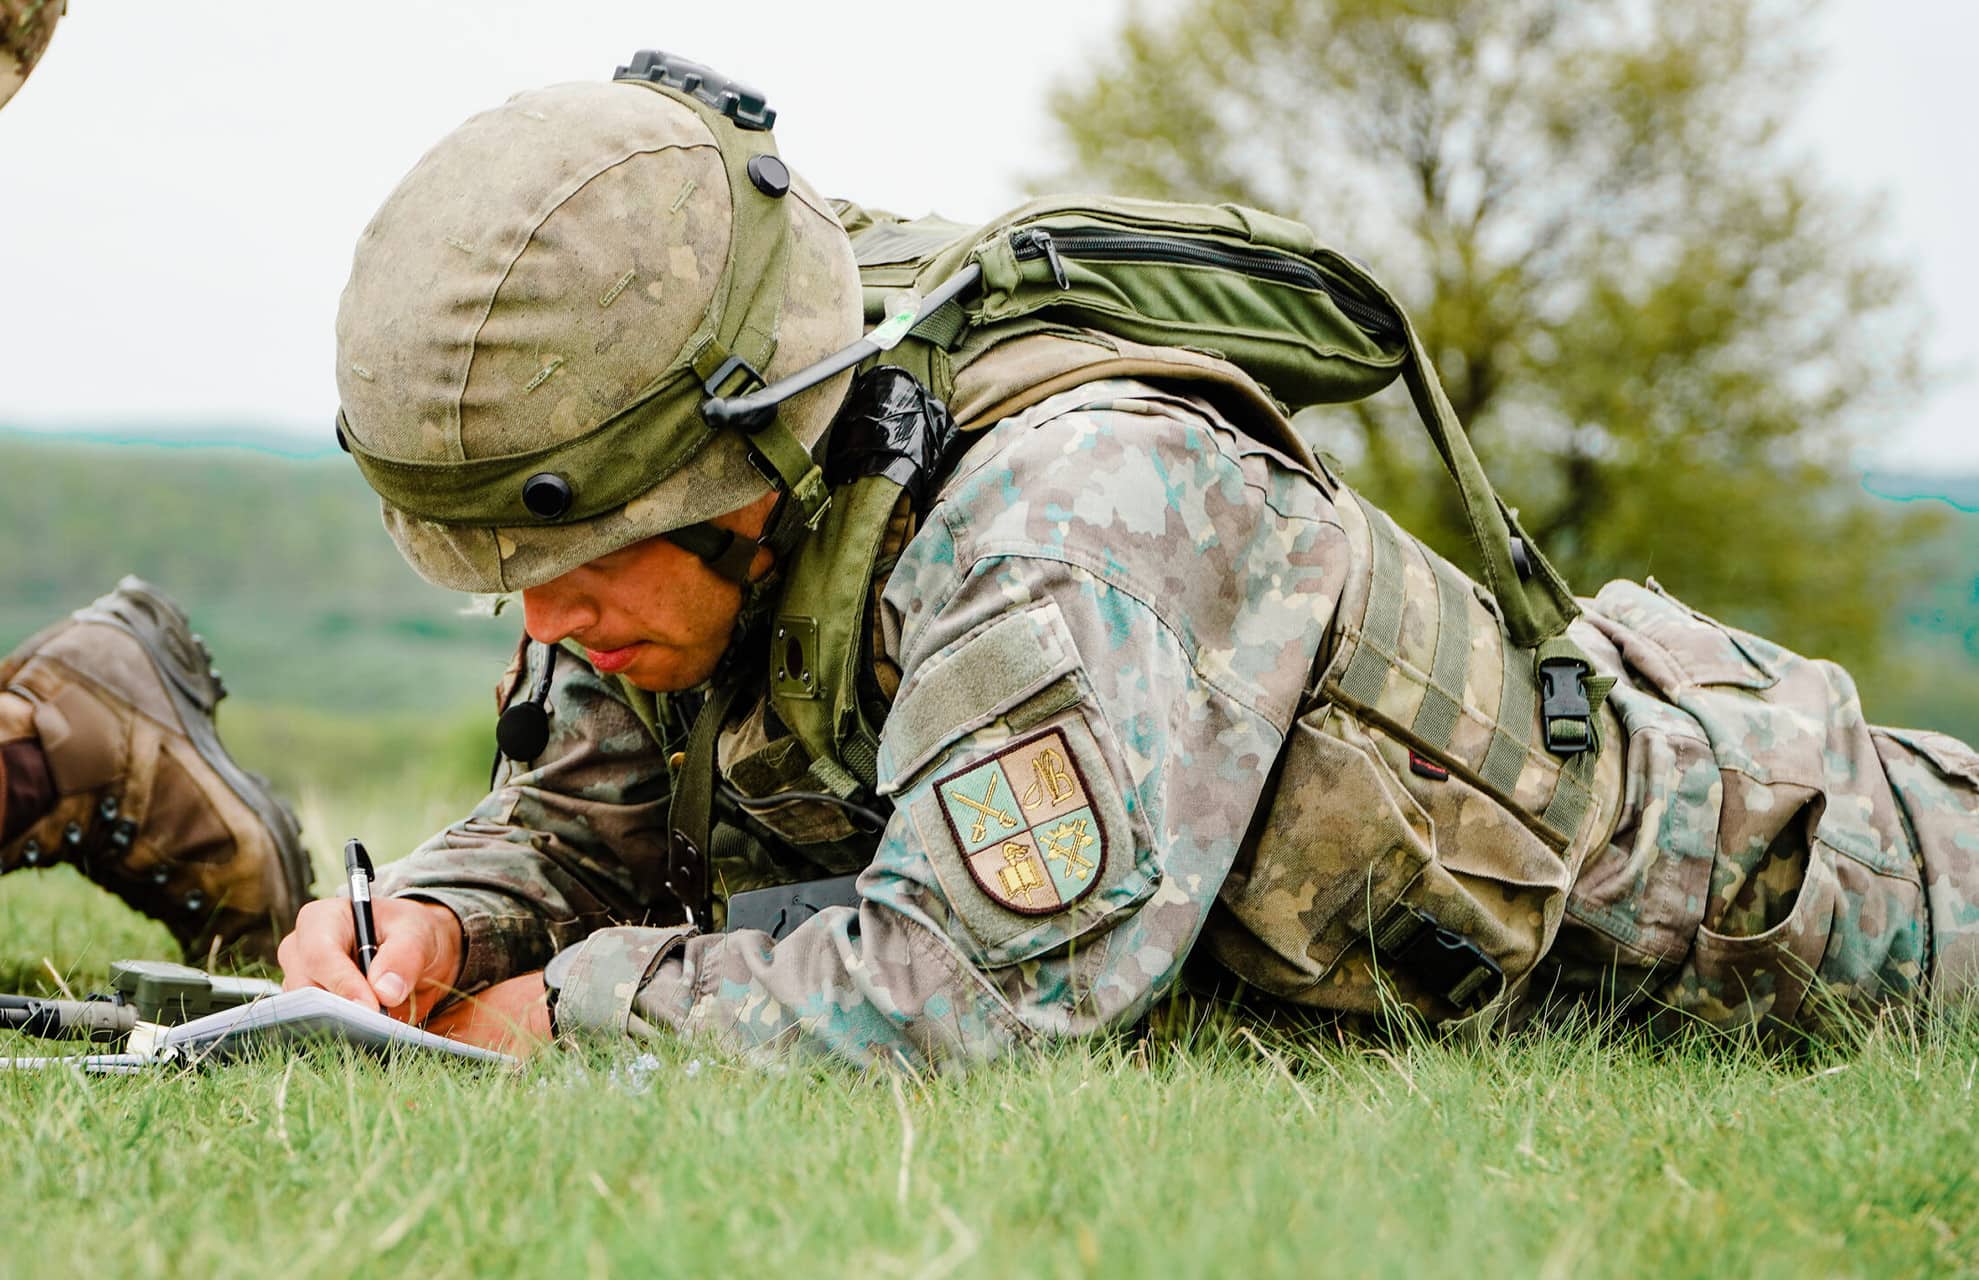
x,y
1422,768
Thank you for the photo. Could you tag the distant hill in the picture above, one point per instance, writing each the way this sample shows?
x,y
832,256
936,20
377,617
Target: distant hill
x,y
280,560
251,438
1932,677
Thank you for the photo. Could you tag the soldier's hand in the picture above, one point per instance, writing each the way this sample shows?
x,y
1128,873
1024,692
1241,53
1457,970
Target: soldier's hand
x,y
511,1017
418,960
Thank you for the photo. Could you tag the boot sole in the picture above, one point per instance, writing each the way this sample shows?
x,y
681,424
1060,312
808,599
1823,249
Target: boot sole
x,y
144,613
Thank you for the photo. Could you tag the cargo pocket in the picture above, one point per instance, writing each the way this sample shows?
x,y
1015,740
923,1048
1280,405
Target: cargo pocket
x,y
1693,698
1754,816
1368,880
1639,900
1760,979
1017,790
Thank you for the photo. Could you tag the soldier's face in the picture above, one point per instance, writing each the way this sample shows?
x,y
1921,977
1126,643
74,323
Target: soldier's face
x,y
650,612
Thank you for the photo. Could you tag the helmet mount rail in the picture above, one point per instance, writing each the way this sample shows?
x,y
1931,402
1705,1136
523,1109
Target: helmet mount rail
x,y
751,412
744,105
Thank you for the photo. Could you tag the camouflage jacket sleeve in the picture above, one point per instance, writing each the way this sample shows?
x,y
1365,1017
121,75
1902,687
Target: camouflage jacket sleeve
x,y
1104,628
554,850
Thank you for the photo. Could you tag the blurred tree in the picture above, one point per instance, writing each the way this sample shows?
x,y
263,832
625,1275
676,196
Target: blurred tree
x,y
1664,327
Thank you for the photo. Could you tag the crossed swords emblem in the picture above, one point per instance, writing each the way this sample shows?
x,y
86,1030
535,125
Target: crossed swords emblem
x,y
986,809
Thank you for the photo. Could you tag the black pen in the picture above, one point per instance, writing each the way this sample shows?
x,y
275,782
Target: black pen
x,y
357,865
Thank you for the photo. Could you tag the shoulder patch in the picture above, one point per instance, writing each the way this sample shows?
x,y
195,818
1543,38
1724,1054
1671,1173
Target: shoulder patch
x,y
1026,824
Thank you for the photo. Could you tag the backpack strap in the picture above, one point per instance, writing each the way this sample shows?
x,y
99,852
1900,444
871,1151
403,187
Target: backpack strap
x,y
815,642
1535,601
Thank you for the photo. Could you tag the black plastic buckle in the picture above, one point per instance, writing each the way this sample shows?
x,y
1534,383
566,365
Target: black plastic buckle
x,y
1563,699
719,410
740,103
1449,964
714,382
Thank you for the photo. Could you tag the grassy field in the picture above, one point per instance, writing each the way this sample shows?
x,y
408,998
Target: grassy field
x,y
1207,1153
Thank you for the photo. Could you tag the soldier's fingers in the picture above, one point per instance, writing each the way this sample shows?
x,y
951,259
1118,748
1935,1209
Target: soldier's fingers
x,y
303,942
402,957
319,952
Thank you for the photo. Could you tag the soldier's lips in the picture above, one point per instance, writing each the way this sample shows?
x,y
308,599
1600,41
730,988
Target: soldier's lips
x,y
608,661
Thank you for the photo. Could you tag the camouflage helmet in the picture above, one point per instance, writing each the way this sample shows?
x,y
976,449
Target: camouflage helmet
x,y
536,314
25,26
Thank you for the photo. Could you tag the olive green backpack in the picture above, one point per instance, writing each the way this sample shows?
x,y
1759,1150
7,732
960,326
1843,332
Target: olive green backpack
x,y
1250,288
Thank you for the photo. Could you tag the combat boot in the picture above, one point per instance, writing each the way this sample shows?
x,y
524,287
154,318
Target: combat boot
x,y
141,796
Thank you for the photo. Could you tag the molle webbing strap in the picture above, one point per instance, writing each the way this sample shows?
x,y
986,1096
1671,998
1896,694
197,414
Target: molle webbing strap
x,y
691,816
943,326
862,759
1573,795
659,432
1518,701
838,780
1381,626
1436,719
827,595
1378,652
799,477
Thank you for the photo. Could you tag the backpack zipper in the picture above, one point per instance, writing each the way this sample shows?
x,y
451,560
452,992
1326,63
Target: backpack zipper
x,y
1096,244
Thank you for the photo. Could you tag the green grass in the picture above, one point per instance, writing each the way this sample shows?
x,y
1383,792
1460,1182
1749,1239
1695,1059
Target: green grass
x,y
1208,1153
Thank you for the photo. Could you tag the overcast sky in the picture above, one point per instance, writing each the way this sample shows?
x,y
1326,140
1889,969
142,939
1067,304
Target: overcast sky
x,y
181,182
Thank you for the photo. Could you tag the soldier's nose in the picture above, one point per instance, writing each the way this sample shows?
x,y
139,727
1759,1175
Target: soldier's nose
x,y
551,613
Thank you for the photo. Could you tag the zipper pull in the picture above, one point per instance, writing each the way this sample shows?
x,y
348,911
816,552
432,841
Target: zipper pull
x,y
1038,241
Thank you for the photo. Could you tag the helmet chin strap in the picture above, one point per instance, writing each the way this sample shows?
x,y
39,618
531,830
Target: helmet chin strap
x,y
731,556
738,400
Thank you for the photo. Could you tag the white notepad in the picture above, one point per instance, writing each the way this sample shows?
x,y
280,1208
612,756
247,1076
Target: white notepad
x,y
311,1014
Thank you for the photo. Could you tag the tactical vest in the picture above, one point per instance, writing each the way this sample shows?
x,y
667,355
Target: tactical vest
x,y
1418,842
1425,824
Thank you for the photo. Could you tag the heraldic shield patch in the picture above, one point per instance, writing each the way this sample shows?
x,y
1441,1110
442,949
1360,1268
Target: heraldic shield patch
x,y
1026,825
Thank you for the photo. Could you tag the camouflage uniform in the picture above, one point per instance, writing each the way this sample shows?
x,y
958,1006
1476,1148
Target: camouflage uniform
x,y
1146,677
1184,585
1774,845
